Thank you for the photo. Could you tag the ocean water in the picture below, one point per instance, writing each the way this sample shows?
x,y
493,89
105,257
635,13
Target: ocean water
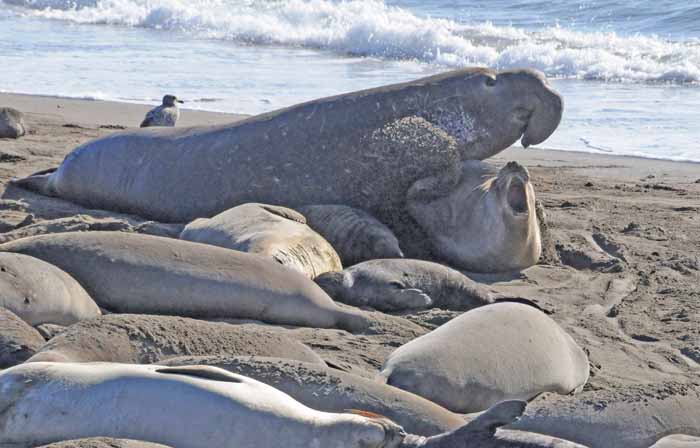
x,y
629,70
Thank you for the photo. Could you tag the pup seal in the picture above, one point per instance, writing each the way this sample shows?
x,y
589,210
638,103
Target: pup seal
x,y
11,123
356,235
272,231
141,339
134,273
41,293
200,406
317,152
397,284
487,224
489,354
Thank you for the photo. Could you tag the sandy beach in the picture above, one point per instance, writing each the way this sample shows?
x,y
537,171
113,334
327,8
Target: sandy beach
x,y
620,270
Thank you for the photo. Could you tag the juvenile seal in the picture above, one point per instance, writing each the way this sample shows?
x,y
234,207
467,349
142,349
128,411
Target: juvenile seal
x,y
166,114
487,224
18,340
134,273
356,235
489,354
397,284
319,152
11,123
41,293
200,406
140,339
331,390
272,231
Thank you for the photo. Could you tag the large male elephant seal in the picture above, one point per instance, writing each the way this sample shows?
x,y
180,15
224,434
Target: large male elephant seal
x,y
356,235
487,224
200,406
41,293
331,390
142,339
269,230
134,273
397,284
496,352
319,152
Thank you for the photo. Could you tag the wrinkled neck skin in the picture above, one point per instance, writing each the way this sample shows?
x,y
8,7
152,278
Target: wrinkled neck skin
x,y
488,228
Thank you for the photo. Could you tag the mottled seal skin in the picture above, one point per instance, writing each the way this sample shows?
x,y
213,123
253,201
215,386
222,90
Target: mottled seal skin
x,y
398,284
331,390
134,273
487,224
18,340
269,230
142,339
356,235
11,123
634,416
202,406
320,152
493,353
41,293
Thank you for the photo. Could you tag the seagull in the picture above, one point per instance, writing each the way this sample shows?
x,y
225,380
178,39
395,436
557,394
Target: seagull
x,y
164,115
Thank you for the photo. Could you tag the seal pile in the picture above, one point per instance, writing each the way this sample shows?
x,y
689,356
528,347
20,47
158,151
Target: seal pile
x,y
329,219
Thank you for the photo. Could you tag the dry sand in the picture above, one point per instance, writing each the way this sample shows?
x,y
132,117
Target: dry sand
x,y
621,270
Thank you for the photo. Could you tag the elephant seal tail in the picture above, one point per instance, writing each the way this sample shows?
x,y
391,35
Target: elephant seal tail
x,y
40,182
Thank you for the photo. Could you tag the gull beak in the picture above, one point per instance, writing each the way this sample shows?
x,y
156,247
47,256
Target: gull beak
x,y
180,101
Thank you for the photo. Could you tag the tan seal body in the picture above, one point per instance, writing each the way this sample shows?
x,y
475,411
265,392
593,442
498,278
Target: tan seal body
x,y
144,274
272,231
319,152
18,340
41,293
488,223
497,352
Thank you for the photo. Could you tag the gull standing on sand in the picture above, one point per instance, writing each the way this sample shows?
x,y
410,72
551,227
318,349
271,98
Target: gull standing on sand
x,y
164,115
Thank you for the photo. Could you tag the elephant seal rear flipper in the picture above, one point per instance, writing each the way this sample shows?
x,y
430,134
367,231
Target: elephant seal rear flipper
x,y
39,182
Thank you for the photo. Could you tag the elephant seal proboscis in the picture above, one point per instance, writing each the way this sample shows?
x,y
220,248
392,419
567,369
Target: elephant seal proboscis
x,y
330,390
41,293
269,230
103,442
632,416
397,284
134,273
318,152
200,406
142,339
488,223
492,353
18,340
356,235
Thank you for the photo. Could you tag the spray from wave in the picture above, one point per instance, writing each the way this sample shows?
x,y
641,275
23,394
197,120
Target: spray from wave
x,y
371,28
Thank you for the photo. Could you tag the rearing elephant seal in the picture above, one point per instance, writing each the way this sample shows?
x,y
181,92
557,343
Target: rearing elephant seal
x,y
319,152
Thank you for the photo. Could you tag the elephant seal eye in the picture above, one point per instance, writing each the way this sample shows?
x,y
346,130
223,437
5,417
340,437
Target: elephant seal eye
x,y
396,285
490,81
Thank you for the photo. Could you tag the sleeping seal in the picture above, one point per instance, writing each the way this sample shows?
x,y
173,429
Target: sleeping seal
x,y
135,273
276,232
18,340
319,152
200,406
496,352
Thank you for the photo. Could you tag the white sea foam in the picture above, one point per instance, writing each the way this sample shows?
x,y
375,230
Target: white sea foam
x,y
371,28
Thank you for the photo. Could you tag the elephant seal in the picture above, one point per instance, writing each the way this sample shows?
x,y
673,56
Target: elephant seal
x,y
489,354
18,340
142,339
331,390
103,442
356,235
135,273
201,406
678,441
487,224
634,416
397,284
11,123
272,231
319,152
41,293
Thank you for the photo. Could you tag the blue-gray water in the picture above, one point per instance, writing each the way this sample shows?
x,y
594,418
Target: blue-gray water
x,y
629,70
